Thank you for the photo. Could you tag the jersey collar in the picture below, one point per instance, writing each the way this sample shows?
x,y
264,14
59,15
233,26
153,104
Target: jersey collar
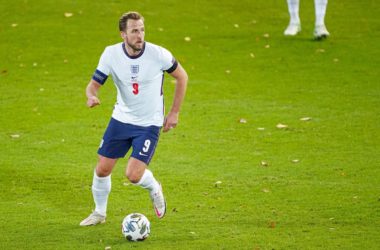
x,y
133,57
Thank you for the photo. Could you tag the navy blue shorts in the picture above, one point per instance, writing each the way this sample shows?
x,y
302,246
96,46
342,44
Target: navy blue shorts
x,y
119,137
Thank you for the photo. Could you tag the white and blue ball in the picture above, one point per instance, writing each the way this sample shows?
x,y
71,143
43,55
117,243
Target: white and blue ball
x,y
135,227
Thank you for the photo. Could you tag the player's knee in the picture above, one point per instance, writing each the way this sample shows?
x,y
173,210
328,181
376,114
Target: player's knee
x,y
102,171
133,177
105,166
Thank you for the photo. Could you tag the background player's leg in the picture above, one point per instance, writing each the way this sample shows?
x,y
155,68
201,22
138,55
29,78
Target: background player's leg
x,y
320,30
295,24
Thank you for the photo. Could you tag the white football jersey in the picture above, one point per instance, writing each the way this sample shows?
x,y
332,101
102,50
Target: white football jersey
x,y
138,80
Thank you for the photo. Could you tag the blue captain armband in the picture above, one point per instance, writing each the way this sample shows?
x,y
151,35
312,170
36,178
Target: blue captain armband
x,y
100,77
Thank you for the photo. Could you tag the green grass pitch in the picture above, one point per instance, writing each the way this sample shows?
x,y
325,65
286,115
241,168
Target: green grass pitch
x,y
232,178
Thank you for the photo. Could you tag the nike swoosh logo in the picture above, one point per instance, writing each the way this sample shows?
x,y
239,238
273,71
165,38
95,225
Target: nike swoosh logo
x,y
157,212
142,154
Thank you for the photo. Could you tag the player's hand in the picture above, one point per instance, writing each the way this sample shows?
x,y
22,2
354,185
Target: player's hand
x,y
92,101
171,121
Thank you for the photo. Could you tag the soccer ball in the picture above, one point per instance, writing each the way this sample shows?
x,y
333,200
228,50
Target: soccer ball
x,y
135,227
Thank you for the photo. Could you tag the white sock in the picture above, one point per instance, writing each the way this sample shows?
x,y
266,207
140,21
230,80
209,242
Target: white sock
x,y
101,187
148,181
320,12
293,7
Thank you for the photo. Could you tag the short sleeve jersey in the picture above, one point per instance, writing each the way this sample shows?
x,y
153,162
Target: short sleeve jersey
x,y
138,80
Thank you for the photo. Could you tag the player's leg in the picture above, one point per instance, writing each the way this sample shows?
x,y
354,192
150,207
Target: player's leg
x,y
101,187
101,184
139,175
294,26
144,145
113,146
320,30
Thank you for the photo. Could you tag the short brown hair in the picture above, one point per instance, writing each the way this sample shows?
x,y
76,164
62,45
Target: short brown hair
x,y
129,15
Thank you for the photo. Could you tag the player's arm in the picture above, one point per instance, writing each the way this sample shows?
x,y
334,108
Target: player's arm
x,y
92,93
181,78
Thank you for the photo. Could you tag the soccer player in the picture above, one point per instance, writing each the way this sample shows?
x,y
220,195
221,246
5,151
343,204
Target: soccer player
x,y
294,27
137,68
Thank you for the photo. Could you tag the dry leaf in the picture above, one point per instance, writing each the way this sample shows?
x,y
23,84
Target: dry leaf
x,y
265,190
295,161
261,129
68,14
14,25
264,163
187,39
267,46
15,136
242,120
266,35
272,224
305,119
281,126
217,183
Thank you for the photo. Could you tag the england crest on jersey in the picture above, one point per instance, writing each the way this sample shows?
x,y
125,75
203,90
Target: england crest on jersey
x,y
134,69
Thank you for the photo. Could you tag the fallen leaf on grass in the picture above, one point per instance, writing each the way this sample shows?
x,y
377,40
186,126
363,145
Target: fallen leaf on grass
x,y
272,224
242,120
217,184
281,126
15,136
68,14
305,119
264,164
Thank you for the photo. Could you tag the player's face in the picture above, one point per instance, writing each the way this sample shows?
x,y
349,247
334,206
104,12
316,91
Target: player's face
x,y
134,34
